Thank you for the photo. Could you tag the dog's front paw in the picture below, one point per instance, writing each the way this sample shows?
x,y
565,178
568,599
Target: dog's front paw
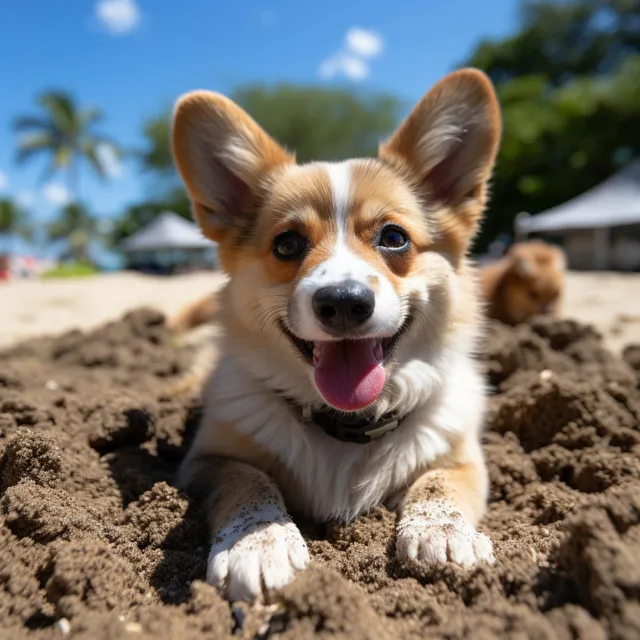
x,y
432,534
255,555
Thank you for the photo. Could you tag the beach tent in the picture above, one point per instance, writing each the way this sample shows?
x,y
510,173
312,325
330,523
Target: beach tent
x,y
599,228
168,243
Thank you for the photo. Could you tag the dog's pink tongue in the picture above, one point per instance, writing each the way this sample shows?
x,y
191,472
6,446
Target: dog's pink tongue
x,y
348,374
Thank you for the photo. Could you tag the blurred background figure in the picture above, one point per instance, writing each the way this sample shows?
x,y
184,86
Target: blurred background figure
x,y
528,281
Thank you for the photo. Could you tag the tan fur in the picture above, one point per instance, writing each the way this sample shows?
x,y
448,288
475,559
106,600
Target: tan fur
x,y
193,315
527,281
254,457
461,194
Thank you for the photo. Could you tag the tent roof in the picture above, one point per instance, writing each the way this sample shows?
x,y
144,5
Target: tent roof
x,y
613,203
167,231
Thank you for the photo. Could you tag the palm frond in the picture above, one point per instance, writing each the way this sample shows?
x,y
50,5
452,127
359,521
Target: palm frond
x,y
33,144
62,109
90,152
89,117
63,132
62,157
27,123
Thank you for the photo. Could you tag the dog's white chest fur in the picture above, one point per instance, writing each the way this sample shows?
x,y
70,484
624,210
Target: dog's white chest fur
x,y
326,478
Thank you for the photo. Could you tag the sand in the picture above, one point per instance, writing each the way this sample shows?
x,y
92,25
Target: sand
x,y
609,301
46,307
96,543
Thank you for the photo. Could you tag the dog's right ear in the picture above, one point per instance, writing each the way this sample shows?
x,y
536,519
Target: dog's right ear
x,y
222,155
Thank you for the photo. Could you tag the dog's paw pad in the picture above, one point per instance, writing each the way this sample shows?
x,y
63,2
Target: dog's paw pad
x,y
264,559
435,534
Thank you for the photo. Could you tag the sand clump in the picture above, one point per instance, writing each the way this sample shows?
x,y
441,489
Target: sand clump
x,y
96,543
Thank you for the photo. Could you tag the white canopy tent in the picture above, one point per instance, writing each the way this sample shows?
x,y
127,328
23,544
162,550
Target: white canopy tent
x,y
167,231
613,203
169,241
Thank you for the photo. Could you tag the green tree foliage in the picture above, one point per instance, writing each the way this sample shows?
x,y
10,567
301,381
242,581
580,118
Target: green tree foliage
x,y
156,155
65,134
76,225
321,124
14,218
569,85
316,123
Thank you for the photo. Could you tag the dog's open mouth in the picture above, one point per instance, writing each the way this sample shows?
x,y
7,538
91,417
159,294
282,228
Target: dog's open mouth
x,y
349,373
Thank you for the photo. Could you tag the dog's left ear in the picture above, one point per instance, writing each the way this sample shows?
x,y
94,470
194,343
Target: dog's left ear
x,y
448,145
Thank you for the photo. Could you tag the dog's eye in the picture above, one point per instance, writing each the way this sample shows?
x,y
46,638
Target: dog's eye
x,y
289,246
393,237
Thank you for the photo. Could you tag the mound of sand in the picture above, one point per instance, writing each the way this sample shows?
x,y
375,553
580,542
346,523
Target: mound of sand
x,y
96,543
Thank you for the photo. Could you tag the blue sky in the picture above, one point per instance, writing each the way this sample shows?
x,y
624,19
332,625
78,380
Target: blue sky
x,y
133,58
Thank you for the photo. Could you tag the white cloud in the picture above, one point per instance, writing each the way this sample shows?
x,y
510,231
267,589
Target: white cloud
x,y
110,161
4,181
118,16
57,194
352,59
362,42
25,198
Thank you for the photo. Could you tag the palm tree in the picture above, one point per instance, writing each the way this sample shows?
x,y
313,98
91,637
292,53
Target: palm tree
x,y
13,218
79,227
65,133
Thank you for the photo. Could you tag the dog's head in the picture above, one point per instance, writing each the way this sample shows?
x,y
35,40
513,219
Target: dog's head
x,y
534,280
343,273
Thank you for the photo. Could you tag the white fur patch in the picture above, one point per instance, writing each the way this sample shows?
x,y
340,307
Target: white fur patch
x,y
340,178
434,533
262,548
446,399
345,265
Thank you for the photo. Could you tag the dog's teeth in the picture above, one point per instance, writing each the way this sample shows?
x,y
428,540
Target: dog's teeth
x,y
377,350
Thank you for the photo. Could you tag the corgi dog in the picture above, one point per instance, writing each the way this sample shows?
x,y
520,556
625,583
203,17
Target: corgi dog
x,y
527,281
346,376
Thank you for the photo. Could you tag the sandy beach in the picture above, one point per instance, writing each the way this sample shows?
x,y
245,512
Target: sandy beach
x,y
609,301
96,543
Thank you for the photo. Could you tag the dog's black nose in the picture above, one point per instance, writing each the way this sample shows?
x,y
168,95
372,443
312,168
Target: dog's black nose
x,y
344,306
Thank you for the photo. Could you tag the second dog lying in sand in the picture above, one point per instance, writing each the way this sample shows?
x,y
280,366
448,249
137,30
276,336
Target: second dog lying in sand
x,y
527,281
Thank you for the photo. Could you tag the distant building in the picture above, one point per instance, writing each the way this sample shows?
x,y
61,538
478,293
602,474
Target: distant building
x,y
599,229
169,244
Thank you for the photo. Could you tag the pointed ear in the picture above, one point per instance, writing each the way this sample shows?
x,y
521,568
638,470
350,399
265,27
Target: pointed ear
x,y
222,155
448,145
